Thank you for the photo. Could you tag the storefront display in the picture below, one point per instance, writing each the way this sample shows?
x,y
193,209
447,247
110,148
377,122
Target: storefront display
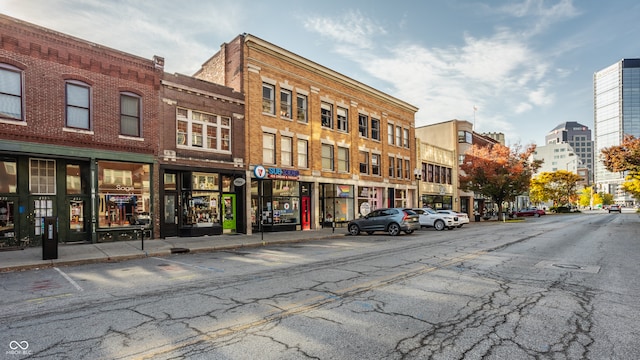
x,y
124,193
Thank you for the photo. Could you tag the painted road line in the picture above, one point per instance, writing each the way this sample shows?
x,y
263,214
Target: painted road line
x,y
69,279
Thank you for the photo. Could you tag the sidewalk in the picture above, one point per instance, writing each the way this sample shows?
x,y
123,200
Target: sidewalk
x,y
75,254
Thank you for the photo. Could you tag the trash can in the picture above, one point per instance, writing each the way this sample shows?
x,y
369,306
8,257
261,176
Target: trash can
x,y
50,238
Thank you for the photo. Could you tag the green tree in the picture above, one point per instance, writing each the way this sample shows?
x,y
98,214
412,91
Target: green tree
x,y
607,199
498,172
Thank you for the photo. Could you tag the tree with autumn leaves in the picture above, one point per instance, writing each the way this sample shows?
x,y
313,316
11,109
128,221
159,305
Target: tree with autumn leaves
x,y
498,172
560,186
625,157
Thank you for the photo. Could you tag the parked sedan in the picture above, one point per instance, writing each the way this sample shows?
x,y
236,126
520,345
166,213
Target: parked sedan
x,y
391,220
615,208
431,218
463,218
530,212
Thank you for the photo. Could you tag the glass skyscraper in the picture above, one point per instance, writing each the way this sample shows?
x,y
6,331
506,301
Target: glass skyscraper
x,y
616,114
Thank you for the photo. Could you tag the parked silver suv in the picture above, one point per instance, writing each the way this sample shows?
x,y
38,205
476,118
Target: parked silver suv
x,y
391,220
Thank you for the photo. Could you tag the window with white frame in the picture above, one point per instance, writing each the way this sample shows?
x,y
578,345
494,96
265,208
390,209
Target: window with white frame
x,y
327,157
392,166
202,131
363,125
390,134
302,108
268,148
42,177
375,164
78,108
286,144
342,116
303,153
285,104
326,115
364,162
268,99
398,136
405,137
10,92
375,129
407,169
130,114
343,159
399,168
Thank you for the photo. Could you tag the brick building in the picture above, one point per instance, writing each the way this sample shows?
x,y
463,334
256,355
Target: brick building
x,y
321,147
79,137
202,170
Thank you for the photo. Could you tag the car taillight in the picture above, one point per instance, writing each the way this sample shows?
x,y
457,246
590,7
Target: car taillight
x,y
405,217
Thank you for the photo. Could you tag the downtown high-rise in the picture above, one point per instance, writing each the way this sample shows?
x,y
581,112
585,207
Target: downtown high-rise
x,y
616,115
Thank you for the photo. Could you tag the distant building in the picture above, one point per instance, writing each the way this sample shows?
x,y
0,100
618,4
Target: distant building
x,y
499,137
616,114
578,136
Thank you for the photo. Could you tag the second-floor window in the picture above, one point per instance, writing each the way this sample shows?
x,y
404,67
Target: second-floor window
x,y
326,115
303,153
286,157
10,92
390,134
129,115
405,138
392,166
364,162
78,112
204,131
343,159
268,148
327,157
375,164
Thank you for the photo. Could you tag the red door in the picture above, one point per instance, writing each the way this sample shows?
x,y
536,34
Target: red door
x,y
306,213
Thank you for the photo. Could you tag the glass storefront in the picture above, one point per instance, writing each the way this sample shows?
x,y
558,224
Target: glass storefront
x,y
369,198
201,199
8,185
280,202
124,191
337,204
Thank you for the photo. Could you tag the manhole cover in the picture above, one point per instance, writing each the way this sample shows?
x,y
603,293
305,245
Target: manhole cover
x,y
568,266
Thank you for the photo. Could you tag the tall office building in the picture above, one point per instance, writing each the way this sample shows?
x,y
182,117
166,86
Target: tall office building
x,y
616,114
578,136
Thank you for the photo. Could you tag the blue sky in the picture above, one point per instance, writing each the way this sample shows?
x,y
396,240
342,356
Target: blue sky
x,y
526,65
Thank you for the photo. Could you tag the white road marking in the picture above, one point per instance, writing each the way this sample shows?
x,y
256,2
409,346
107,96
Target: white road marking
x,y
69,279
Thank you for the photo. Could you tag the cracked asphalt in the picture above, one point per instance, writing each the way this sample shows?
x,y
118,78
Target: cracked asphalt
x,y
555,287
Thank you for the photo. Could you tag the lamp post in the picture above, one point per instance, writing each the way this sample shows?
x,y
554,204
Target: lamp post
x,y
418,176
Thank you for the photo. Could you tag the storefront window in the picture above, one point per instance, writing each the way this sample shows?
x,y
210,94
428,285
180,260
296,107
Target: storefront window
x,y
124,192
7,227
8,176
201,208
338,204
401,198
76,215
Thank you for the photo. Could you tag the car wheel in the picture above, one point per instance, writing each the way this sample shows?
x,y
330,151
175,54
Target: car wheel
x,y
459,226
439,225
393,229
536,215
354,229
409,232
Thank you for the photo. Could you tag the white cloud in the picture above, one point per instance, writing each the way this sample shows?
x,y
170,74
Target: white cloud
x,y
352,28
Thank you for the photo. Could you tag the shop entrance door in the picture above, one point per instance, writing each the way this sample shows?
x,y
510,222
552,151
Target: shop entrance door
x,y
170,215
229,213
306,213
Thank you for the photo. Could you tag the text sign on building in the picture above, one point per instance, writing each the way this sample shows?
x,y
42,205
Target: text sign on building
x,y
261,172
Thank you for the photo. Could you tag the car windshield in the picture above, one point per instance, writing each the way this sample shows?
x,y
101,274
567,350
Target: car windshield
x,y
431,211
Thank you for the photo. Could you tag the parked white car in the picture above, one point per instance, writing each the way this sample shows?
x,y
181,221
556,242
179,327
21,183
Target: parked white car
x,y
431,218
462,217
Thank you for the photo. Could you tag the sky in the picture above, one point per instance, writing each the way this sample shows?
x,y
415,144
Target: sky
x,y
518,67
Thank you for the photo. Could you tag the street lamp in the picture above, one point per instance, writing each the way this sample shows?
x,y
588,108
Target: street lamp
x,y
418,176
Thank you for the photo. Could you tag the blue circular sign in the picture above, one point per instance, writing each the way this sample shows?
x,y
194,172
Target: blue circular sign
x,y
260,172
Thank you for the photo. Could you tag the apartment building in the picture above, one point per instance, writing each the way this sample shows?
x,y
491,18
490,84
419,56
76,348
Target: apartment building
x,y
79,135
452,139
201,159
321,148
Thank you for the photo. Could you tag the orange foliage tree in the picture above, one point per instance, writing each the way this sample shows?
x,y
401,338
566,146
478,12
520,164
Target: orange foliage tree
x,y
625,157
498,172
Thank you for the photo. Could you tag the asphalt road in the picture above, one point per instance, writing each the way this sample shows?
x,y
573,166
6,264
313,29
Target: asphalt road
x,y
555,287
